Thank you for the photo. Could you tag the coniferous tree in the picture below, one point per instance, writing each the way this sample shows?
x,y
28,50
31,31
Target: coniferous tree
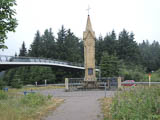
x,y
48,44
110,43
109,65
81,51
127,48
150,55
23,50
61,44
35,49
72,47
7,20
68,47
99,49
16,81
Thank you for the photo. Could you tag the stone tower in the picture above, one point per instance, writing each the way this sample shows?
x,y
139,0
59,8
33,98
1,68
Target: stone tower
x,y
89,52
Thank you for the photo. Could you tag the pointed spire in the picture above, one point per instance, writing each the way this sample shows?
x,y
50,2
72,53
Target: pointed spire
x,y
89,25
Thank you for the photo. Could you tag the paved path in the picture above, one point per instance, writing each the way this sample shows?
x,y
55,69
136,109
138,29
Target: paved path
x,y
80,105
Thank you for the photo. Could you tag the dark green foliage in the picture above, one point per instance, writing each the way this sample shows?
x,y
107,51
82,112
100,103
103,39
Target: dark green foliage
x,y
9,76
40,74
2,83
16,82
29,75
67,47
72,47
35,49
99,49
48,44
150,55
107,44
110,43
7,20
61,44
109,65
23,50
132,72
127,48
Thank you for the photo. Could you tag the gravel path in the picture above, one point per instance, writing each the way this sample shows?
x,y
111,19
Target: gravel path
x,y
80,105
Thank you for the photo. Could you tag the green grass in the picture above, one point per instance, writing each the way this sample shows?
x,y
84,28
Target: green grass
x,y
29,107
141,103
28,88
3,95
155,77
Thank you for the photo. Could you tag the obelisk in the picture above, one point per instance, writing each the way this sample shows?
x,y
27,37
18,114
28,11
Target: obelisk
x,y
89,53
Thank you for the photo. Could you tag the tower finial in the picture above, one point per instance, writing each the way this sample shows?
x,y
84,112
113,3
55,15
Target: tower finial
x,y
88,9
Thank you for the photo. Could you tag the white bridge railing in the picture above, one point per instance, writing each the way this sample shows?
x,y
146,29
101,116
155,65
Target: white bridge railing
x,y
4,58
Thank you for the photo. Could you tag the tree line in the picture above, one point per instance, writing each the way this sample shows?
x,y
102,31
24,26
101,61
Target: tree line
x,y
116,55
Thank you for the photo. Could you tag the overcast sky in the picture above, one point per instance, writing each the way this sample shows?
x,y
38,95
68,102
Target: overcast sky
x,y
142,17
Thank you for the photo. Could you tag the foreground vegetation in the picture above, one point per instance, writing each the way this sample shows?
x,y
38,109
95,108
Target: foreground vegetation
x,y
142,103
33,106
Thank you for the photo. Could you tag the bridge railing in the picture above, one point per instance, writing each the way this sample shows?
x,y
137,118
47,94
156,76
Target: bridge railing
x,y
4,58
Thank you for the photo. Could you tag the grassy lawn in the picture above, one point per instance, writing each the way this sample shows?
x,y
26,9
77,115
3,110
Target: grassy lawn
x,y
33,106
28,88
139,103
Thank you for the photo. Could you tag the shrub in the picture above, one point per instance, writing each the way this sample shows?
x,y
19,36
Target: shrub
x,y
33,99
49,97
3,95
2,84
16,83
132,73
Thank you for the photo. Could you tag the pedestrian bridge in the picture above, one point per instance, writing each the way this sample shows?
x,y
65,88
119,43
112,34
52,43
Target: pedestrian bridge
x,y
7,62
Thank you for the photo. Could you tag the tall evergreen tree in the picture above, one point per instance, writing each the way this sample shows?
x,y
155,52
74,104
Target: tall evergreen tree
x,y
72,47
99,49
110,43
23,50
127,48
35,49
150,55
48,44
61,44
109,65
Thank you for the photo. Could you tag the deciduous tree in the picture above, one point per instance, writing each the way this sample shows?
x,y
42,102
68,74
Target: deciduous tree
x,y
8,21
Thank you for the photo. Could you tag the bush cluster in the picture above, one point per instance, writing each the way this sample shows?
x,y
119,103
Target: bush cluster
x,y
137,104
3,95
21,107
2,84
136,73
33,99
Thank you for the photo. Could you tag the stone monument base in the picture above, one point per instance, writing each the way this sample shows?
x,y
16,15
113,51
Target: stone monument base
x,y
90,85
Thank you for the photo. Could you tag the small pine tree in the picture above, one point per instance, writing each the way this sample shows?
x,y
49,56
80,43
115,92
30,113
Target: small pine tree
x,y
23,50
109,65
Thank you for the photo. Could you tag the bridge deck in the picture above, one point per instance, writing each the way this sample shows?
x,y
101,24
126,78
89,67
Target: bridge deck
x,y
7,62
